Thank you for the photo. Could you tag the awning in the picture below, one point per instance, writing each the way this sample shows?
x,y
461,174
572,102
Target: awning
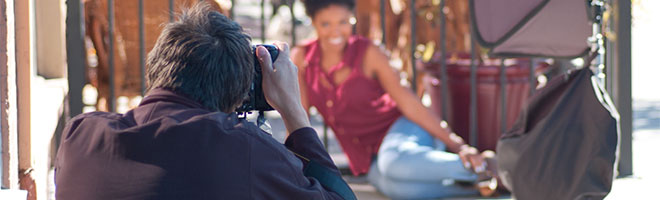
x,y
546,28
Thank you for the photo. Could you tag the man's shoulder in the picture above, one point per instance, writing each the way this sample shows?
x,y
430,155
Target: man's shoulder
x,y
93,117
233,126
180,123
96,114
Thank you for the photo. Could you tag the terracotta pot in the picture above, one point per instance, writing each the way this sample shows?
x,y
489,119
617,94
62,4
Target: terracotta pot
x,y
488,94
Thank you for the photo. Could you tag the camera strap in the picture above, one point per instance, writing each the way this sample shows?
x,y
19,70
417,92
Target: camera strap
x,y
327,178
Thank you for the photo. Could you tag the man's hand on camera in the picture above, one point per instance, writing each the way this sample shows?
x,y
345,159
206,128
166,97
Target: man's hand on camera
x,y
280,85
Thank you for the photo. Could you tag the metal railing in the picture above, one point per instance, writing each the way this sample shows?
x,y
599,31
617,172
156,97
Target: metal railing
x,y
619,83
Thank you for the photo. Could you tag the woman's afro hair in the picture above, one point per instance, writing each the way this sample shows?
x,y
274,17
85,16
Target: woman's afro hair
x,y
314,6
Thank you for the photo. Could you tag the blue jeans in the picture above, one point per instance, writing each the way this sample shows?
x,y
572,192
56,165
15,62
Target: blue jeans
x,y
411,164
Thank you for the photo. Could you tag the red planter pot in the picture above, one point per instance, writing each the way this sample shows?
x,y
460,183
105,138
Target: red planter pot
x,y
488,95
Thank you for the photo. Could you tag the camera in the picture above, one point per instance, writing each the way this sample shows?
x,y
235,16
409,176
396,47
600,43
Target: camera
x,y
256,100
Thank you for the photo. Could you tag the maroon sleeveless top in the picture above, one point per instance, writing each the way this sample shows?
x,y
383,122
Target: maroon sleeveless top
x,y
358,110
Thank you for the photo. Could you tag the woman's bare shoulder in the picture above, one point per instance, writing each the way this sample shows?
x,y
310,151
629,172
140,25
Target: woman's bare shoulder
x,y
376,51
375,58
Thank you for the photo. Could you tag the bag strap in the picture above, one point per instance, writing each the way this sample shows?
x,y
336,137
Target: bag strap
x,y
327,178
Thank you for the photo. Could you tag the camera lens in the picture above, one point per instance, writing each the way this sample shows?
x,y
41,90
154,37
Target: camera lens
x,y
256,100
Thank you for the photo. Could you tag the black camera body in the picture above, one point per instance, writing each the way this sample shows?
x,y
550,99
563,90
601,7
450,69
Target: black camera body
x,y
256,100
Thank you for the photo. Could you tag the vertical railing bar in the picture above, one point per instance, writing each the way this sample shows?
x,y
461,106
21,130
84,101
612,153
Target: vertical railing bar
x,y
503,87
355,16
111,55
382,22
609,63
171,8
532,77
413,22
622,86
142,53
231,9
443,65
325,136
263,21
293,23
75,42
473,92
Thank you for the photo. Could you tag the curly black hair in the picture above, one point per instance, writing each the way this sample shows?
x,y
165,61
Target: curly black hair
x,y
313,6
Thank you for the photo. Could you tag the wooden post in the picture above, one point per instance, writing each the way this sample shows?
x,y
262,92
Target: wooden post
x,y
23,76
8,96
24,72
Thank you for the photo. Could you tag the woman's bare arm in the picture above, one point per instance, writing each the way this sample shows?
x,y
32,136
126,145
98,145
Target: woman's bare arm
x,y
377,63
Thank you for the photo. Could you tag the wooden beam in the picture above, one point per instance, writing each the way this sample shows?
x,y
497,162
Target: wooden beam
x,y
23,81
8,115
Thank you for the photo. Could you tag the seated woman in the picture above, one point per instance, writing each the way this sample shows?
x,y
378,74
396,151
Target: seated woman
x,y
385,131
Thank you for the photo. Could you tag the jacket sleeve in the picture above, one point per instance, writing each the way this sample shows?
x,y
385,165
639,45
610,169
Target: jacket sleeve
x,y
278,174
306,143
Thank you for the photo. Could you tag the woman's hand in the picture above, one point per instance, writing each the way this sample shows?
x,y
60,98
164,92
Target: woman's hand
x,y
280,85
472,159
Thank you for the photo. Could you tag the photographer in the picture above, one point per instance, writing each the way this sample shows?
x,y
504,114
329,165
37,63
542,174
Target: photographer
x,y
184,140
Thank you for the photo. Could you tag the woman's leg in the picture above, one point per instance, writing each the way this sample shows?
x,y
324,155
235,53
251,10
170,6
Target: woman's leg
x,y
409,157
408,153
397,189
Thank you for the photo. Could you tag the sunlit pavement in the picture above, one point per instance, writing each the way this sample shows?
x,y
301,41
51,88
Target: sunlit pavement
x,y
646,138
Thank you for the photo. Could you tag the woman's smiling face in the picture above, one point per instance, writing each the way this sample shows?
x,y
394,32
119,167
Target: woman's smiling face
x,y
333,26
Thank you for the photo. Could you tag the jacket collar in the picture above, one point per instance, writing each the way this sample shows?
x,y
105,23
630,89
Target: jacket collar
x,y
161,94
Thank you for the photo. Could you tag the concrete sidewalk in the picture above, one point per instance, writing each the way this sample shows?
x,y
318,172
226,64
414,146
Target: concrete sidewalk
x,y
646,137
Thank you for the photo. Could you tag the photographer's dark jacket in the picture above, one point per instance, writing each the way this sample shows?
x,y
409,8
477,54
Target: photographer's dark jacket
x,y
171,148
